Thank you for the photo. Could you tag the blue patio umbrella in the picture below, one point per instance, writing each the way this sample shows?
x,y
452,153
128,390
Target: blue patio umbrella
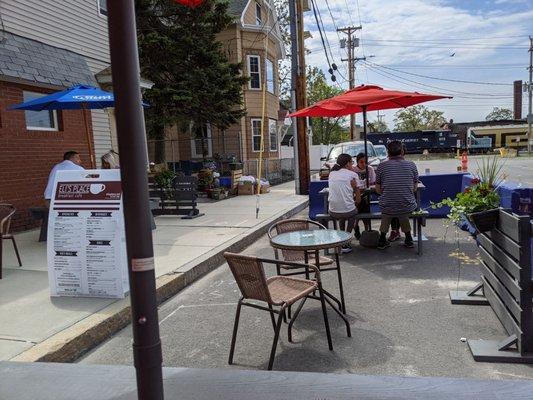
x,y
80,97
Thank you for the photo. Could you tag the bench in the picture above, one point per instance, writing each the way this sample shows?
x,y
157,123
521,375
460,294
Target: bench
x,y
180,199
506,284
41,213
418,217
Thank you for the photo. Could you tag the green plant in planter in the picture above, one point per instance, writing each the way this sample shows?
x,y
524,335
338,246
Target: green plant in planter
x,y
480,196
164,179
476,198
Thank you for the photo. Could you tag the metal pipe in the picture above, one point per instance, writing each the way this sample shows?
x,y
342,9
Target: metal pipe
x,y
147,355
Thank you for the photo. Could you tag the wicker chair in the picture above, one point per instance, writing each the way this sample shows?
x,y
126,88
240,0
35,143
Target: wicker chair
x,y
6,213
277,291
291,225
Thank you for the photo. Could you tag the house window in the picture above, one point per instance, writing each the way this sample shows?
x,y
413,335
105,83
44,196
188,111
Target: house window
x,y
270,76
45,120
202,142
256,134
102,7
273,133
258,19
254,71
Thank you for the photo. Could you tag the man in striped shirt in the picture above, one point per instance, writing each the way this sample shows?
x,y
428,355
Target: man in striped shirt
x,y
396,181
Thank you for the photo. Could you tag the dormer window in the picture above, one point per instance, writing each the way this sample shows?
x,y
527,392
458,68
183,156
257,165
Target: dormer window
x,y
258,17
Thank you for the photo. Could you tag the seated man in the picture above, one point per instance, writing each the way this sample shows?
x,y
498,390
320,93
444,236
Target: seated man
x,y
396,181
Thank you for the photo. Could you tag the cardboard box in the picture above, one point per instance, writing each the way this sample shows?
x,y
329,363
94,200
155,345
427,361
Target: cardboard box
x,y
265,189
245,188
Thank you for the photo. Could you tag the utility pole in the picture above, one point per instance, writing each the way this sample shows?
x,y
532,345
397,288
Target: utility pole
x,y
352,42
298,96
529,91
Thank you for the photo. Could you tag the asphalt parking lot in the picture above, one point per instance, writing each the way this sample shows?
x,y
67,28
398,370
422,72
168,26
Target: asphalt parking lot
x,y
401,318
518,169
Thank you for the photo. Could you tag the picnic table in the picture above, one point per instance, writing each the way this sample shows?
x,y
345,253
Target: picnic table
x,y
418,217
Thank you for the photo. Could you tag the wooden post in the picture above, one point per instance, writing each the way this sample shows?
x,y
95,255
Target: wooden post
x,y
301,102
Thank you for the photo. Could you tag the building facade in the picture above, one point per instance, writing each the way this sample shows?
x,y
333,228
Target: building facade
x,y
254,40
46,46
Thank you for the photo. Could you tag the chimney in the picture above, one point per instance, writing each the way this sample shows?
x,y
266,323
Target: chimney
x,y
517,99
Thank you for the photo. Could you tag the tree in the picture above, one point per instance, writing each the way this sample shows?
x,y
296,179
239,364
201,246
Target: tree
x,y
325,130
193,80
378,126
284,65
418,118
499,113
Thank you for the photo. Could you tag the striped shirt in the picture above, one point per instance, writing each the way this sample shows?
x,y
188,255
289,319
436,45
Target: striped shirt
x,y
397,178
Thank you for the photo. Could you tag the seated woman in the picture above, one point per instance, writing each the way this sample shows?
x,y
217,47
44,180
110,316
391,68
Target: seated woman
x,y
364,206
343,184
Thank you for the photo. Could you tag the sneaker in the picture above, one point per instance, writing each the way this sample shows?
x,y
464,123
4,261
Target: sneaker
x,y
409,243
357,233
383,244
394,236
346,248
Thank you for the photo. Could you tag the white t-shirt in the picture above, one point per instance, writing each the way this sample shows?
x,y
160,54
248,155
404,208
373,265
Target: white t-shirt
x,y
62,166
340,190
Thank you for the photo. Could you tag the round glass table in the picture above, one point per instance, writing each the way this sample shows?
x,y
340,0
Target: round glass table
x,y
310,240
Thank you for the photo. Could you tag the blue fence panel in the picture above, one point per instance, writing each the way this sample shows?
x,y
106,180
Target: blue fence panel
x,y
316,200
439,187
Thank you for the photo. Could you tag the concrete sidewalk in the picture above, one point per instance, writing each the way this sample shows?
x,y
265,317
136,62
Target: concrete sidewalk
x,y
36,327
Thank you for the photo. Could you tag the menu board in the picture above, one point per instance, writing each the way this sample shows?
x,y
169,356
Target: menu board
x,y
86,237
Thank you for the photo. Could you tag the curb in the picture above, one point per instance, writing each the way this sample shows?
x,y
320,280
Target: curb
x,y
71,343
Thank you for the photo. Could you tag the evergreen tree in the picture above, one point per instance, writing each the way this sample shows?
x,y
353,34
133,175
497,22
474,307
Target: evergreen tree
x,y
193,79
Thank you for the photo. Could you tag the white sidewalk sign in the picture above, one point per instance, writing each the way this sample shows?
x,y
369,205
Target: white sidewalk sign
x,y
86,241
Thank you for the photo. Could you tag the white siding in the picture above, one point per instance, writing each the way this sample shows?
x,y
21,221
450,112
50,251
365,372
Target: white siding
x,y
74,25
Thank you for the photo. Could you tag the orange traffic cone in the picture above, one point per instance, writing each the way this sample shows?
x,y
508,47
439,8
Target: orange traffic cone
x,y
464,162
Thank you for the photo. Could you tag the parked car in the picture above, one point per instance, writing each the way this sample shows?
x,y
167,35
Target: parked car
x,y
351,148
381,151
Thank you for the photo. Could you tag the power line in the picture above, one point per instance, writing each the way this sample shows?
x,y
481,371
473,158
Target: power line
x,y
471,47
455,93
443,79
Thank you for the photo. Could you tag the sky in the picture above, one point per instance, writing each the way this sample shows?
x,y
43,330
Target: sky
x,y
475,40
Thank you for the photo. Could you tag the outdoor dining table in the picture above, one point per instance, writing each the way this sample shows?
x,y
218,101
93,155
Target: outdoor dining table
x,y
312,241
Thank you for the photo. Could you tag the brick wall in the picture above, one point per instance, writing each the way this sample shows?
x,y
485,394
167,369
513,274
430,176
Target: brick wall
x,y
26,157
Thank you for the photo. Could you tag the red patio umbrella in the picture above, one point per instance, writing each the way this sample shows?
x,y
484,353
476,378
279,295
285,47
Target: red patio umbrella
x,y
362,99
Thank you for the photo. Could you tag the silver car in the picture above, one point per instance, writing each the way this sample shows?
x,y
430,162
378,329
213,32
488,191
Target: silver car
x,y
351,148
381,151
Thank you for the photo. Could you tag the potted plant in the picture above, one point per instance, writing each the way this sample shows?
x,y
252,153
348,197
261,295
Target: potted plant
x,y
478,204
164,181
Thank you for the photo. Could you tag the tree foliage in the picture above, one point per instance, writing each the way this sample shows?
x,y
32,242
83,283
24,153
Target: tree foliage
x,y
499,113
325,130
417,118
378,126
193,79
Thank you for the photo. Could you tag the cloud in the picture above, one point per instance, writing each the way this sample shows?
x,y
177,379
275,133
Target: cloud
x,y
424,34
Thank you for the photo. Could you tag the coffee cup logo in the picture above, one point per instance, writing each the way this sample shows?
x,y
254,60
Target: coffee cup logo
x,y
97,188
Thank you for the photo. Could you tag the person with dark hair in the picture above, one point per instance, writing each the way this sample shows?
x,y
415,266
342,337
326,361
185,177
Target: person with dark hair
x,y
343,184
71,161
396,181
360,168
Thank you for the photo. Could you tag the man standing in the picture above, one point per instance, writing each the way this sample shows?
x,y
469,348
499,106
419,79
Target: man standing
x,y
396,181
71,161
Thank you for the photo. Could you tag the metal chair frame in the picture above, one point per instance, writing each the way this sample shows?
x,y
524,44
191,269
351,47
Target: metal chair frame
x,y
276,324
5,224
342,303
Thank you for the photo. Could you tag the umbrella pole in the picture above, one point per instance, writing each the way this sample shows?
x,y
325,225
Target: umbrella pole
x,y
88,134
366,145
147,355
